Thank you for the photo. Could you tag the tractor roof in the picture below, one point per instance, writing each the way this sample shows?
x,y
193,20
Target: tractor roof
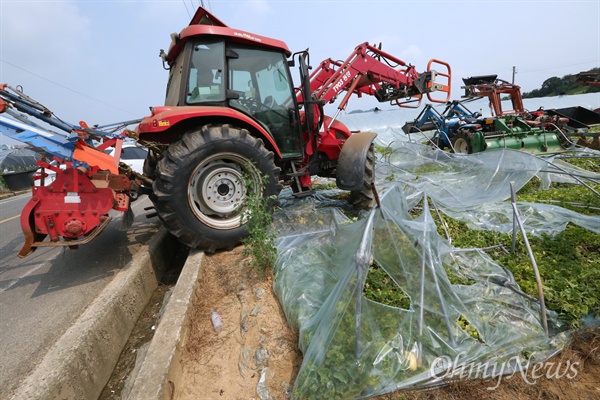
x,y
204,23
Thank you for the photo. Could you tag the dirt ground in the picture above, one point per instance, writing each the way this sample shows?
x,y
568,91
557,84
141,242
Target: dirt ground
x,y
550,382
256,356
254,352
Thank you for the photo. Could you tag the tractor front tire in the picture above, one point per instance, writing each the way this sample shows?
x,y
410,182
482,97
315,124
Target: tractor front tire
x,y
203,182
364,197
462,141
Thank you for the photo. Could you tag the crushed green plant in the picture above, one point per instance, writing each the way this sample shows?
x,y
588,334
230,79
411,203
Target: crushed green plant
x,y
569,262
259,245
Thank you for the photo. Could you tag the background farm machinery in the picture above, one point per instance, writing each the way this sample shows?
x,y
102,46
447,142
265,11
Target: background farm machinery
x,y
464,131
589,78
540,131
575,123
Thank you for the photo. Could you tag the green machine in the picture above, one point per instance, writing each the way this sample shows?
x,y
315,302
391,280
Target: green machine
x,y
468,132
513,132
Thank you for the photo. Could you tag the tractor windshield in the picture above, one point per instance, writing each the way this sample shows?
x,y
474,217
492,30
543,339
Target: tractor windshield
x,y
263,85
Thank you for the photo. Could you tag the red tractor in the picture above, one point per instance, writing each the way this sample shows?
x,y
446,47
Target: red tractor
x,y
232,110
234,125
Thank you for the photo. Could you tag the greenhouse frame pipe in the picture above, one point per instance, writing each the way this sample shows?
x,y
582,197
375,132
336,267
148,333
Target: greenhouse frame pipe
x,y
468,250
426,253
571,203
565,137
444,225
573,176
594,180
429,138
362,264
440,298
538,279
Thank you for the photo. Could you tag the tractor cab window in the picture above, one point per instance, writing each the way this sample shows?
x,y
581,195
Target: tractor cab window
x,y
174,83
205,82
263,87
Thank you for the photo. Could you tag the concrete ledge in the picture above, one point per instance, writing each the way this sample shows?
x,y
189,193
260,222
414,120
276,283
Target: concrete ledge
x,y
160,370
81,362
8,195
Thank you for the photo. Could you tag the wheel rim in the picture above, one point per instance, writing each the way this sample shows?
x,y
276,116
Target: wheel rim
x,y
461,146
216,190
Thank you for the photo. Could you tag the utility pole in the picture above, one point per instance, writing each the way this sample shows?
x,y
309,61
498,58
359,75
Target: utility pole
x,y
513,76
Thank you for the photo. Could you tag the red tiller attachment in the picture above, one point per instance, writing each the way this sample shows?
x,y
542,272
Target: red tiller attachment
x,y
94,157
72,210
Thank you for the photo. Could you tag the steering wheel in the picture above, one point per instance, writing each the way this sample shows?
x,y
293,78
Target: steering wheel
x,y
251,103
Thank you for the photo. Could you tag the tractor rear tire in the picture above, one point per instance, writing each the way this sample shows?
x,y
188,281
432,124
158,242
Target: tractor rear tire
x,y
364,197
200,188
462,141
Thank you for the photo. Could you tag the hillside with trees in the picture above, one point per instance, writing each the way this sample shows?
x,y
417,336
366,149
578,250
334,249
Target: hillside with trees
x,y
566,85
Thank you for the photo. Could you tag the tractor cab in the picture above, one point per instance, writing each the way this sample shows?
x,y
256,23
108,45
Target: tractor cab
x,y
218,66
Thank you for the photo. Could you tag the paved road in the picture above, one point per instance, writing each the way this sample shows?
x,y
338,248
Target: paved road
x,y
43,294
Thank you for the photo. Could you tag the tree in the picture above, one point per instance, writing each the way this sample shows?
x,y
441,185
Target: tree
x,y
556,86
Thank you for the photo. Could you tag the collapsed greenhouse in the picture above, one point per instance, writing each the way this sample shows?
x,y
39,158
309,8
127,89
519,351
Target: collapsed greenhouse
x,y
17,167
465,316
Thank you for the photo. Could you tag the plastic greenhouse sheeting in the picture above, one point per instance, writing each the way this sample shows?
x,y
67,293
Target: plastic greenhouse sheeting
x,y
17,160
473,188
357,348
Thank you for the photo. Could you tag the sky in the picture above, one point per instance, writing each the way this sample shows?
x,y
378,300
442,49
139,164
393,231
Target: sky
x,y
98,61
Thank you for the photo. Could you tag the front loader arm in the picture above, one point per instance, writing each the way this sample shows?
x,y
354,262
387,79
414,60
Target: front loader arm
x,y
369,70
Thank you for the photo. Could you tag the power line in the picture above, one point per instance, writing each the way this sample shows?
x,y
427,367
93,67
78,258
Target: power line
x,y
594,60
67,88
186,8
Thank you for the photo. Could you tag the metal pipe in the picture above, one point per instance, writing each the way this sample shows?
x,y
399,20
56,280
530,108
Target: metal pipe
x,y
437,211
362,259
469,250
422,299
573,176
565,137
571,203
594,180
514,230
426,254
425,136
441,299
359,289
536,271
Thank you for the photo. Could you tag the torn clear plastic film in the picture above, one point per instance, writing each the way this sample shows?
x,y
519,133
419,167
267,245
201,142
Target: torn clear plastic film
x,y
356,348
